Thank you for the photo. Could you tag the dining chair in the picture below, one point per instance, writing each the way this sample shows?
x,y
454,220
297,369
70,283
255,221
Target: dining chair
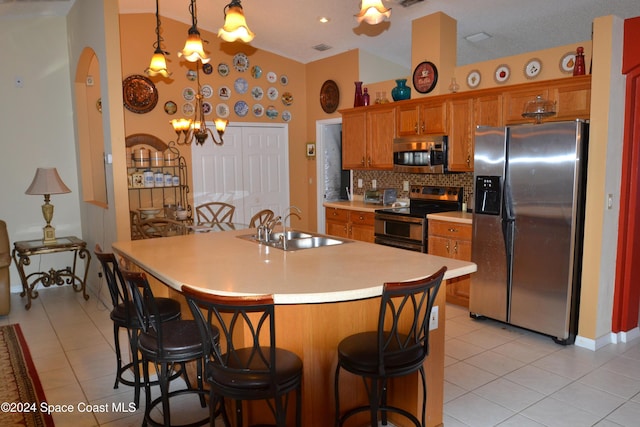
x,y
166,345
397,348
161,227
260,218
214,212
123,316
246,365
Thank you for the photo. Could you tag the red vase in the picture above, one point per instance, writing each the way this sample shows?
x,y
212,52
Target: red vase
x,y
579,67
358,100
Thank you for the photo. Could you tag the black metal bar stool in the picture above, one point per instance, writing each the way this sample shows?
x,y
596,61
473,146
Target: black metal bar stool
x,y
124,316
165,345
396,349
246,365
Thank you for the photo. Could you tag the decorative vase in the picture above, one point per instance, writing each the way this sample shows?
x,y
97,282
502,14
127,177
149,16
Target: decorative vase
x,y
358,100
401,91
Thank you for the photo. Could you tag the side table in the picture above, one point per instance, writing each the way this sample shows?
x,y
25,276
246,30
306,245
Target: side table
x,y
23,250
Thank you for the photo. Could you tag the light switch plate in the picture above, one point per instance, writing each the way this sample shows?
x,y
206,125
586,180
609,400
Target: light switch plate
x,y
433,320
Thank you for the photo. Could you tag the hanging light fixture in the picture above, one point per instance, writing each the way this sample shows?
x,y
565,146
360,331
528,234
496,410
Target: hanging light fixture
x,y
373,12
193,49
158,64
235,26
189,129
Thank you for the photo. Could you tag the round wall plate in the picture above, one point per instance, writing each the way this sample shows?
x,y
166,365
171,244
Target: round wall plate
x,y
473,79
139,94
425,77
329,96
532,68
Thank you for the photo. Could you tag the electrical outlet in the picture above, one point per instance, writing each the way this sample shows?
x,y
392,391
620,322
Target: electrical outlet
x,y
433,320
374,184
359,182
405,186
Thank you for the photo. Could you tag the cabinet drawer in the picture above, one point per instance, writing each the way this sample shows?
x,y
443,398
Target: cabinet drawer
x,y
363,218
337,214
453,230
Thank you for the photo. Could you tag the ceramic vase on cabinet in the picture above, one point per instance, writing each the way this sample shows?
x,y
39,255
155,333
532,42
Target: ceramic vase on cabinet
x,y
401,91
358,100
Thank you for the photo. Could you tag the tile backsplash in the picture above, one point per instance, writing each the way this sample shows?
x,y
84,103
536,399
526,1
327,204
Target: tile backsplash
x,y
388,179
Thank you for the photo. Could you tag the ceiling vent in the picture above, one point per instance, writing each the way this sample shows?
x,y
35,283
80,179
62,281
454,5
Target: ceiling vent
x,y
407,3
322,47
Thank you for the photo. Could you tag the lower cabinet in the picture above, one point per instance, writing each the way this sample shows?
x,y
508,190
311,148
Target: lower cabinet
x,y
351,224
452,240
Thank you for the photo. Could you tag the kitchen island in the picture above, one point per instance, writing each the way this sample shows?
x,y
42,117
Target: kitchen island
x,y
322,295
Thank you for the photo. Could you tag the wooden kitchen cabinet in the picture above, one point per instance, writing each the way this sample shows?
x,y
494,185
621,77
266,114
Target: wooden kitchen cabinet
x,y
351,224
460,142
427,118
452,240
571,95
367,138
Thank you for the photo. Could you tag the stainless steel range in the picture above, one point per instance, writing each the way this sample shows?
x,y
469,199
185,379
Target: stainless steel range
x,y
407,227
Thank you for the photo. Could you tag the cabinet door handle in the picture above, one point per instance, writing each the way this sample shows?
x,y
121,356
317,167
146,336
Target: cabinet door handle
x,y
469,160
453,230
455,248
415,128
448,249
422,127
368,161
362,161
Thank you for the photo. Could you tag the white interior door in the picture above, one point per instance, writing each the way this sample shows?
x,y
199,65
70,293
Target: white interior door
x,y
250,170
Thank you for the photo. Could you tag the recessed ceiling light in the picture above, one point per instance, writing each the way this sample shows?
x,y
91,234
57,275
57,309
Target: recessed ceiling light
x,y
324,19
477,37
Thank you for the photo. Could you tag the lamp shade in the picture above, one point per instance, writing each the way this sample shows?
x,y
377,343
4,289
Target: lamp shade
x,y
158,65
235,26
193,49
47,181
373,12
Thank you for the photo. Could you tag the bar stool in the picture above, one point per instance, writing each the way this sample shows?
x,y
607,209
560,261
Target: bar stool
x,y
166,344
398,348
240,372
124,316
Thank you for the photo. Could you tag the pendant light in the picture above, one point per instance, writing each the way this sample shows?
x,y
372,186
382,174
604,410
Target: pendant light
x,y
158,64
193,50
373,12
235,26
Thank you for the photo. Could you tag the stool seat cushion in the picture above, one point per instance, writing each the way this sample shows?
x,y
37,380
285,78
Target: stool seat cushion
x,y
169,310
179,338
358,353
288,368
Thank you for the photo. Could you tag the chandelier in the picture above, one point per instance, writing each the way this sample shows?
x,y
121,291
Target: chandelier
x,y
189,129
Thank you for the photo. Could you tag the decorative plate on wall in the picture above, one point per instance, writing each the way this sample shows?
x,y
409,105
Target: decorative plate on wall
x,y
425,77
532,68
139,93
329,96
567,62
502,73
473,79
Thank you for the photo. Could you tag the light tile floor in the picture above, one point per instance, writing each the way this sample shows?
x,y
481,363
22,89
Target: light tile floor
x,y
494,375
498,375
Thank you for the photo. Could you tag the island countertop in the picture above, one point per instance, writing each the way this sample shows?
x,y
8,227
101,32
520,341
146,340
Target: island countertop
x,y
224,264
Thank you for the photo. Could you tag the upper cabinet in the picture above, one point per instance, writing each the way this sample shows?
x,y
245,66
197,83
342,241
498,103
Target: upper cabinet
x,y
368,132
571,95
367,137
424,118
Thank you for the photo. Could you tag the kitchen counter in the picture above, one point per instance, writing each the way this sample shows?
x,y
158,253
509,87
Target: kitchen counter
x,y
236,267
322,296
455,216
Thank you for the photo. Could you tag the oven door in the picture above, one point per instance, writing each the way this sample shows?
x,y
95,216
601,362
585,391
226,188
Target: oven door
x,y
401,231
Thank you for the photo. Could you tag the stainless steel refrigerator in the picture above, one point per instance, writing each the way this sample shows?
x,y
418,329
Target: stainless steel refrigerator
x,y
528,222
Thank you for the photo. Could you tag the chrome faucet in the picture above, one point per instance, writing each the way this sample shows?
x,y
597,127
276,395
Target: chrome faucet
x,y
265,230
293,210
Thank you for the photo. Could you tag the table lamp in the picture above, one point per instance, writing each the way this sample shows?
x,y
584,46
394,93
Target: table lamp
x,y
47,182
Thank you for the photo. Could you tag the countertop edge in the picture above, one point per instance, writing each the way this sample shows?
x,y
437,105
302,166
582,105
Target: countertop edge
x,y
454,216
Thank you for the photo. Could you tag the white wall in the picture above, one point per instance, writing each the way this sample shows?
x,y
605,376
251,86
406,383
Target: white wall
x,y
37,130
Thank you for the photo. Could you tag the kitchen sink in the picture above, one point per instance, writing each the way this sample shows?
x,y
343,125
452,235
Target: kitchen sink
x,y
296,240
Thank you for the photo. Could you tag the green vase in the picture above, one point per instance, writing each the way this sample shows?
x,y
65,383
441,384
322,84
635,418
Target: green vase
x,y
401,91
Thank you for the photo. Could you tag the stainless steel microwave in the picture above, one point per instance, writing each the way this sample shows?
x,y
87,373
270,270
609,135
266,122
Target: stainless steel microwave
x,y
420,154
